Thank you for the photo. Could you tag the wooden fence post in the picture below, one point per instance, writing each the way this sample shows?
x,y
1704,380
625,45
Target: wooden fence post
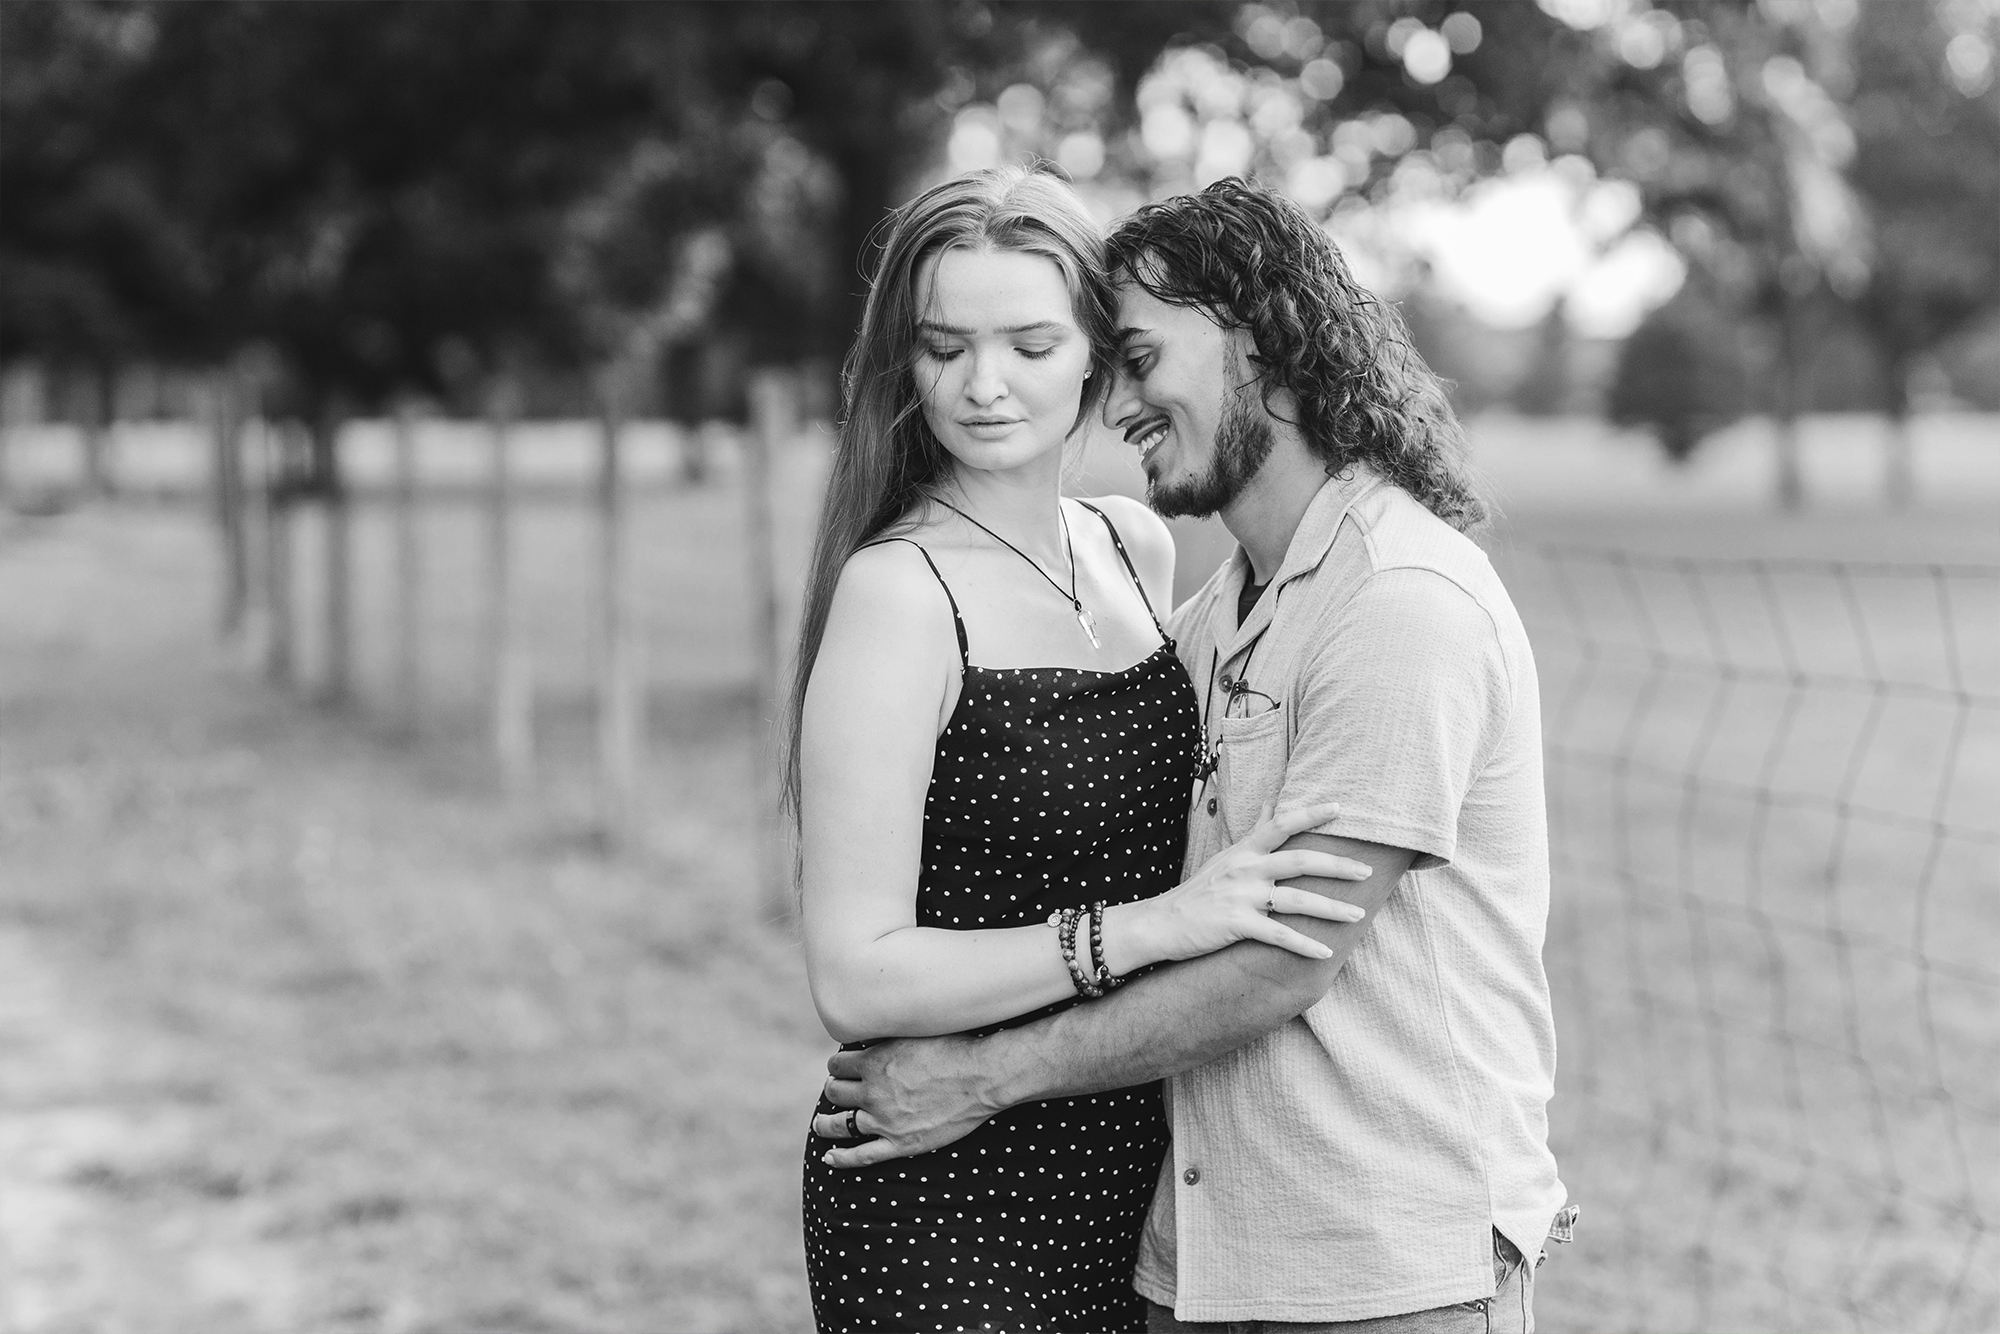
x,y
338,607
513,681
774,421
225,402
22,403
9,420
253,638
280,662
1790,389
1899,462
620,710
100,423
408,576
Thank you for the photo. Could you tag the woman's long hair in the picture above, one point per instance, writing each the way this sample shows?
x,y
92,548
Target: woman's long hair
x,y
1256,261
888,460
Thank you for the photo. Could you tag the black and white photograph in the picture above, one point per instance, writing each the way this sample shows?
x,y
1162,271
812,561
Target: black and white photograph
x,y
1067,666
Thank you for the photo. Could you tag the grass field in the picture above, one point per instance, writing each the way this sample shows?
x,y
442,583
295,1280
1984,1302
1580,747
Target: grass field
x,y
309,1029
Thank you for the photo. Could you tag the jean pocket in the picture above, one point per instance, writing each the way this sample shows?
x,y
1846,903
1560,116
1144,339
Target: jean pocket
x,y
1507,1258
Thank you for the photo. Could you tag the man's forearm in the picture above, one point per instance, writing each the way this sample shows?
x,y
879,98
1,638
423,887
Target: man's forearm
x,y
1171,1020
913,1095
1189,1013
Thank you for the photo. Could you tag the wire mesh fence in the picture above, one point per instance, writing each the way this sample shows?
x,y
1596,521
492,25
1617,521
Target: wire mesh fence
x,y
1774,792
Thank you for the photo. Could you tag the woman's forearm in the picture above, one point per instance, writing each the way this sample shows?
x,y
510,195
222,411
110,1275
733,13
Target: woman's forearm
x,y
903,980
920,981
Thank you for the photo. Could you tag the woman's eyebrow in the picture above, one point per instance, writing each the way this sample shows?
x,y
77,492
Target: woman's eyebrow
x,y
1040,326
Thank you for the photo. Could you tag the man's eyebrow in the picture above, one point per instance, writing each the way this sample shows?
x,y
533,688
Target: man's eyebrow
x,y
1126,335
1040,326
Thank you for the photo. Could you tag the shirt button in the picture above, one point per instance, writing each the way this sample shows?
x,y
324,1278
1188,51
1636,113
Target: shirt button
x,y
1211,805
1228,684
1192,1176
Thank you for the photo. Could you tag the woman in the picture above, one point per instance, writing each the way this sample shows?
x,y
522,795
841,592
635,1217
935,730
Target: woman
x,y
992,737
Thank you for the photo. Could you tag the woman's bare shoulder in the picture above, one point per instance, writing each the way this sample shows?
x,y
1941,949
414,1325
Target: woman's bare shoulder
x,y
892,578
889,643
1143,532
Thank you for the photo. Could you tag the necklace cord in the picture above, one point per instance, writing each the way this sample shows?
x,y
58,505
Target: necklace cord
x,y
1070,549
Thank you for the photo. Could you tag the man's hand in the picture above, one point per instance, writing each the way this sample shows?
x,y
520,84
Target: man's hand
x,y
912,1094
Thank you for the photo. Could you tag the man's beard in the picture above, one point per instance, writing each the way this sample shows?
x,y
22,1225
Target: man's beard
x,y
1242,443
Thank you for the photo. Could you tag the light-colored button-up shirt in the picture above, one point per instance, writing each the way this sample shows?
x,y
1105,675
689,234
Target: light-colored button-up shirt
x,y
1353,1163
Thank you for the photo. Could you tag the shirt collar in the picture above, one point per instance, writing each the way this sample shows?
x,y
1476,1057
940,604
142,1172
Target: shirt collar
x,y
1310,542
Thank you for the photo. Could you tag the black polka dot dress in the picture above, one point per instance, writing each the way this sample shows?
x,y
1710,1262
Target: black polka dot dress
x,y
1051,788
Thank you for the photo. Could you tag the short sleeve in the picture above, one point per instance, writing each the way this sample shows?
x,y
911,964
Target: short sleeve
x,y
1399,704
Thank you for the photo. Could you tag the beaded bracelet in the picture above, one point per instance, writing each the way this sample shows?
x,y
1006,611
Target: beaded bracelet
x,y
1103,977
1086,988
1065,923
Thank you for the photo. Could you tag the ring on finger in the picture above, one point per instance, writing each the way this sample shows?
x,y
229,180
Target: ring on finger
x,y
853,1123
1270,903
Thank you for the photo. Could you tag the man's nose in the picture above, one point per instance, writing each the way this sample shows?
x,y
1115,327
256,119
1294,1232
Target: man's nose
x,y
1121,401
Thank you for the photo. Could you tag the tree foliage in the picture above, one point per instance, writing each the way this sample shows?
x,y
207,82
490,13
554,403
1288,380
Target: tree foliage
x,y
1806,157
404,194
368,189
1927,165
1681,373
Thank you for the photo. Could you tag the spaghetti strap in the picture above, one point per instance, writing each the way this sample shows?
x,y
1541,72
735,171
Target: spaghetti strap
x,y
1119,543
964,655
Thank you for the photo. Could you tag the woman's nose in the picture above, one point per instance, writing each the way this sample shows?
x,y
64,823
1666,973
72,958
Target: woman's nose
x,y
985,383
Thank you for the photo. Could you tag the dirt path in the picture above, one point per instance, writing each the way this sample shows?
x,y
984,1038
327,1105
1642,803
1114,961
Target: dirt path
x,y
100,1144
306,1032
113,1218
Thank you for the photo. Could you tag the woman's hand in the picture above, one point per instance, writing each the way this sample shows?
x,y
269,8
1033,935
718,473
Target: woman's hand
x,y
1235,896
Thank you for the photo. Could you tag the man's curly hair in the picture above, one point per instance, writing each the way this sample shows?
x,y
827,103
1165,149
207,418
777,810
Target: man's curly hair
x,y
1255,261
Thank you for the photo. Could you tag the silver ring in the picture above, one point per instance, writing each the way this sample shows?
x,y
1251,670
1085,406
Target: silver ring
x,y
1270,903
853,1125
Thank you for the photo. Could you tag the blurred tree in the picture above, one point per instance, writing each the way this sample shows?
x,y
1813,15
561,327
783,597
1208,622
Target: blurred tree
x,y
1718,113
1927,165
1327,99
96,270
370,190
1545,385
728,238
395,196
1800,155
1681,373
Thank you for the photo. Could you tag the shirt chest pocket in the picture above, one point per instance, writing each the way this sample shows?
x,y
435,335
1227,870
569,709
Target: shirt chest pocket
x,y
1250,768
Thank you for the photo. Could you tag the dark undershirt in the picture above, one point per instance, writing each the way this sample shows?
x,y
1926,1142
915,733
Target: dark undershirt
x,y
1247,599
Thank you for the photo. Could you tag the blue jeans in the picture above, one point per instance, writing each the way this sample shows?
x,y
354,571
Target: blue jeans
x,y
1510,1310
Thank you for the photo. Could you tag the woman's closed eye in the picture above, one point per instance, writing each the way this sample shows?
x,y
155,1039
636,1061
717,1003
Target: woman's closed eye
x,y
952,353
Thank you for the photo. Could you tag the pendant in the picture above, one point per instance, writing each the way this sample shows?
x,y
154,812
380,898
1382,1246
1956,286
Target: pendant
x,y
1089,623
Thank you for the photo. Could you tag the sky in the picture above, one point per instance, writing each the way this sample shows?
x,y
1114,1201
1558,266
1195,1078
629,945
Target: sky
x,y
1512,245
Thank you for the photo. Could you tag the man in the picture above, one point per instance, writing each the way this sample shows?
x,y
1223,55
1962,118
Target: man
x,y
1359,1142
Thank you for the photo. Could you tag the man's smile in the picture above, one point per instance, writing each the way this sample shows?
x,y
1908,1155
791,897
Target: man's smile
x,y
1148,438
